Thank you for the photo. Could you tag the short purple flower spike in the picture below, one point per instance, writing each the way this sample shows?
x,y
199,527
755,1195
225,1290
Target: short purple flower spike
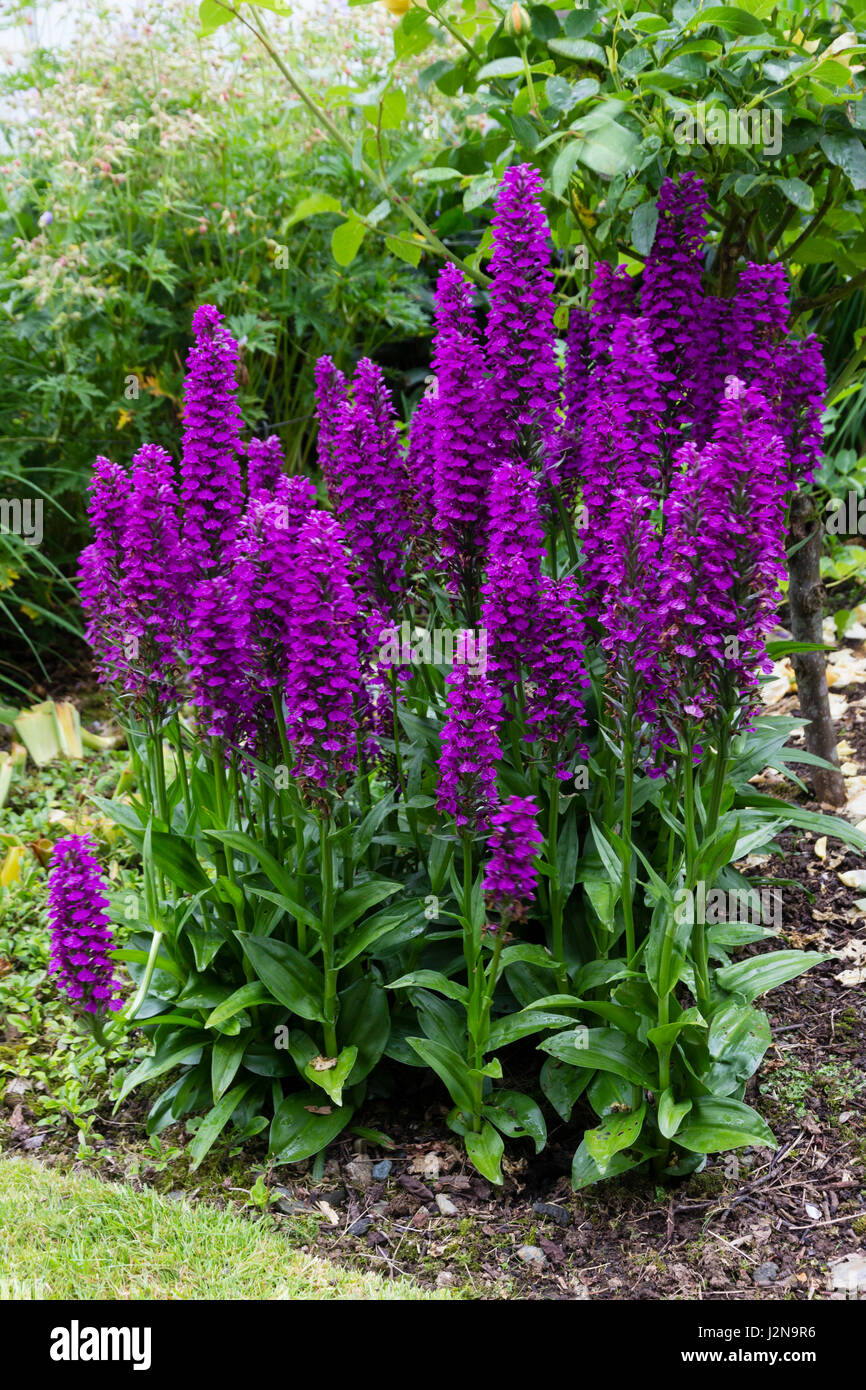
x,y
511,876
81,936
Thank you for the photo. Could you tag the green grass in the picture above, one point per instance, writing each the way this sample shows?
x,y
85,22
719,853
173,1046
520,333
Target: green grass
x,y
72,1237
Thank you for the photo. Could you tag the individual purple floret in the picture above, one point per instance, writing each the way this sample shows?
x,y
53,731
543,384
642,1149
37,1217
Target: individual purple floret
x,y
510,876
470,748
81,937
324,690
210,464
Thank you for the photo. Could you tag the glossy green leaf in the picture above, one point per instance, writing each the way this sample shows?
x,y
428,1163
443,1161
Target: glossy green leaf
x,y
517,1116
450,1067
749,978
291,978
715,1125
671,1113
215,1122
615,1133
485,1150
298,1131
606,1049
332,1078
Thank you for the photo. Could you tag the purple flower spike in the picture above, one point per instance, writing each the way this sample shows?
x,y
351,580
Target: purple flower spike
x,y
150,569
265,465
464,452
520,333
81,937
671,294
220,655
511,876
470,749
265,573
556,673
367,500
420,465
99,575
331,393
510,593
210,465
325,690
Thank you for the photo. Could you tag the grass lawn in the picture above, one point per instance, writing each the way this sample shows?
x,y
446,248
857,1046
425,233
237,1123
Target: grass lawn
x,y
64,1236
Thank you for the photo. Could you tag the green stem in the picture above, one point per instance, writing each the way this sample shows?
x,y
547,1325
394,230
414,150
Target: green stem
x,y
628,800
555,893
330,997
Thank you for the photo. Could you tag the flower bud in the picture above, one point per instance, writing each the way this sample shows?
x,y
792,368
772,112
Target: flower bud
x,y
517,21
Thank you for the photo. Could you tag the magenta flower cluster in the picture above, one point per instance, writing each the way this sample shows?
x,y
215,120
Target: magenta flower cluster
x,y
81,936
510,875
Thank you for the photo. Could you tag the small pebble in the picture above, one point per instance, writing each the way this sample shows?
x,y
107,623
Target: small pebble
x,y
361,1226
446,1206
532,1255
382,1169
555,1212
766,1274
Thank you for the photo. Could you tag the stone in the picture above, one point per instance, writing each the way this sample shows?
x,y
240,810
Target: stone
x,y
849,1274
361,1226
359,1171
446,1206
382,1169
766,1274
532,1255
445,1279
554,1211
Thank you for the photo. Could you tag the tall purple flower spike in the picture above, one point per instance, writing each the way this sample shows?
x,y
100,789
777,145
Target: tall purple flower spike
x,y
151,570
265,571
722,561
332,392
210,465
470,749
672,297
220,656
81,936
464,454
556,672
510,593
510,876
325,689
520,333
420,465
99,573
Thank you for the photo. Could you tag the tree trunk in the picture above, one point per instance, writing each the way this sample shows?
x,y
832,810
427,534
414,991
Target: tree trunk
x,y
806,597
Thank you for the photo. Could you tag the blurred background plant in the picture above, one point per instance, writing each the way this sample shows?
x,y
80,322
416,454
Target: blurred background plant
x,y
142,172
